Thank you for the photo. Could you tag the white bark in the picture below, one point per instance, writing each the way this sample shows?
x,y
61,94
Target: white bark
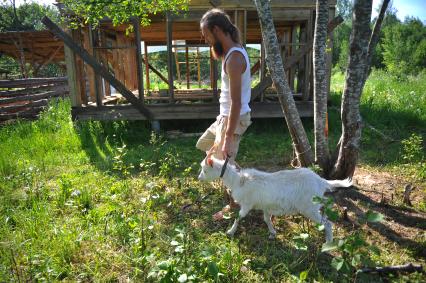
x,y
276,68
322,154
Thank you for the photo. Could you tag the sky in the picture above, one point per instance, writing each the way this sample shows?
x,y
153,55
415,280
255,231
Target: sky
x,y
416,8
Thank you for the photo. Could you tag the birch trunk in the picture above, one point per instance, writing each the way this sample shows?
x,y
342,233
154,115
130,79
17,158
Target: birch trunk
x,y
322,154
354,82
276,68
360,54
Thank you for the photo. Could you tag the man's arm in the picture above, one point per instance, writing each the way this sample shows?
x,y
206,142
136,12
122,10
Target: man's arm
x,y
235,66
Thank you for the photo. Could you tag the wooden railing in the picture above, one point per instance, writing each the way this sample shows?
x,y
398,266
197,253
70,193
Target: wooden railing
x,y
25,98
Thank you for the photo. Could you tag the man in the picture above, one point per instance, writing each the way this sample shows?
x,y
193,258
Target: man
x,y
234,118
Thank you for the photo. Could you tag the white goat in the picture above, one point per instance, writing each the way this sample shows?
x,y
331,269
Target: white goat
x,y
283,192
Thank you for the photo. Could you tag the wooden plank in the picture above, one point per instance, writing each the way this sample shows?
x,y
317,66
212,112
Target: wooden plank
x,y
137,24
16,107
18,83
145,44
100,69
308,60
70,60
37,96
94,41
32,90
184,111
89,70
160,75
260,87
187,67
104,61
255,68
169,35
292,70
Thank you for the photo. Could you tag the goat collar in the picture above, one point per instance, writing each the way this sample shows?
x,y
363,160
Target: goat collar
x,y
224,167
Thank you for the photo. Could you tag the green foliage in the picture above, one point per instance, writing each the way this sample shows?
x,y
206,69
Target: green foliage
x,y
26,16
121,11
404,47
413,148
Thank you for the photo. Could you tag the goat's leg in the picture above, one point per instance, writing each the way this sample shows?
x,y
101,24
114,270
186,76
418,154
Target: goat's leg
x,y
317,217
267,218
243,212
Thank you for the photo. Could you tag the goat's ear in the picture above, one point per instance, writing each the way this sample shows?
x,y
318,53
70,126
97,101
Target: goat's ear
x,y
210,161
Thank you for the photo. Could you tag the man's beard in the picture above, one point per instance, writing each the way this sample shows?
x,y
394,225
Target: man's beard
x,y
217,49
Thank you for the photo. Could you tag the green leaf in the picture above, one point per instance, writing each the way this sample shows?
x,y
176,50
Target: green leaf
x,y
374,216
213,269
337,263
329,246
163,265
332,214
303,275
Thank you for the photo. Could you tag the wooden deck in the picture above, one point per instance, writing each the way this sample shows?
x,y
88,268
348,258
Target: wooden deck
x,y
182,111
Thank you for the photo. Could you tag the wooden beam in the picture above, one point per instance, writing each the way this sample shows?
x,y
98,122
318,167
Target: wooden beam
x,y
187,67
145,45
48,59
183,111
137,25
255,68
158,73
93,41
169,36
97,67
260,87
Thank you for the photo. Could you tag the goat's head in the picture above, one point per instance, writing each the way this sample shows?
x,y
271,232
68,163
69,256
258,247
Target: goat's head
x,y
210,169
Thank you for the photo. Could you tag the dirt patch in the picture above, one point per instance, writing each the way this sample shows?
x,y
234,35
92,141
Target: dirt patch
x,y
383,192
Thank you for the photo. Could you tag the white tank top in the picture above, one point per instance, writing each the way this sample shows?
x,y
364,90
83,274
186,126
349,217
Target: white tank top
x,y
225,96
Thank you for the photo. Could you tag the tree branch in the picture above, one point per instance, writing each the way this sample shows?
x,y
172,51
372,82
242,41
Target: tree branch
x,y
410,267
374,39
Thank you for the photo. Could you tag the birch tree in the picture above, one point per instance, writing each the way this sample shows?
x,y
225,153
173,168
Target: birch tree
x,y
275,64
322,155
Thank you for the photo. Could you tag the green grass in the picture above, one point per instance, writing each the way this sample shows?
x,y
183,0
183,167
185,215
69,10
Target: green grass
x,y
102,201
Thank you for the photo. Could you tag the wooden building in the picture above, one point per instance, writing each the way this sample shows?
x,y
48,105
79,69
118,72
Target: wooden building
x,y
101,60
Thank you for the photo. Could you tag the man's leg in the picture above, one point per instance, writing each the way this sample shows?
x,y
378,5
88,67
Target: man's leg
x,y
220,134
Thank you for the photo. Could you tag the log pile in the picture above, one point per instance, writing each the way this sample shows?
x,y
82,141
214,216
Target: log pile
x,y
25,98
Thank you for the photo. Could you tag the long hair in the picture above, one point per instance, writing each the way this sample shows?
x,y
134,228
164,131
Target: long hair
x,y
217,17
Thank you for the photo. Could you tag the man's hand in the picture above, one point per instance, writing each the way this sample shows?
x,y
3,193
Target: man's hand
x,y
226,149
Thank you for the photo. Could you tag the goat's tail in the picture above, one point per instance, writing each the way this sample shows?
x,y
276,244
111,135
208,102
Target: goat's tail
x,y
334,184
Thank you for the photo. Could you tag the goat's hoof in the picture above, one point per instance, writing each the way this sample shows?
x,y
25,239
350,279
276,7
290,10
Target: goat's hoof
x,y
272,236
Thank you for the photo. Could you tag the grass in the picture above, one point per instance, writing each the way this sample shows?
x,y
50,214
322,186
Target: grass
x,y
104,201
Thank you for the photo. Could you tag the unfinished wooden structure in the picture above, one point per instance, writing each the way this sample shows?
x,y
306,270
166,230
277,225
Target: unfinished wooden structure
x,y
105,59
33,50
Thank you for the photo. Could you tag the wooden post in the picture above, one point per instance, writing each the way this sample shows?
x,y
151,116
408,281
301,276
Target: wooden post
x,y
104,60
187,67
240,21
292,70
198,67
70,60
136,24
93,40
170,55
262,67
145,45
79,70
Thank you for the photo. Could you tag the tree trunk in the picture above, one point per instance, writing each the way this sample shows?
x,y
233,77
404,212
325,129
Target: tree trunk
x,y
355,76
322,154
360,53
276,68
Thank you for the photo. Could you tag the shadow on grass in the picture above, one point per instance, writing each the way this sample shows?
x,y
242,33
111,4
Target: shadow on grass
x,y
346,198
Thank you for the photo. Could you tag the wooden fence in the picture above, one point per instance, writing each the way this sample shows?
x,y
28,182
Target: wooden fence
x,y
25,98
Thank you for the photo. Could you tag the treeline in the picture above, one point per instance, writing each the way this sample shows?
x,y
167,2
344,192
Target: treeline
x,y
401,49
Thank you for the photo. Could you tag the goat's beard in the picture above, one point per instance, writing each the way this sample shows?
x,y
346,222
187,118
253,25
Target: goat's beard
x,y
217,49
